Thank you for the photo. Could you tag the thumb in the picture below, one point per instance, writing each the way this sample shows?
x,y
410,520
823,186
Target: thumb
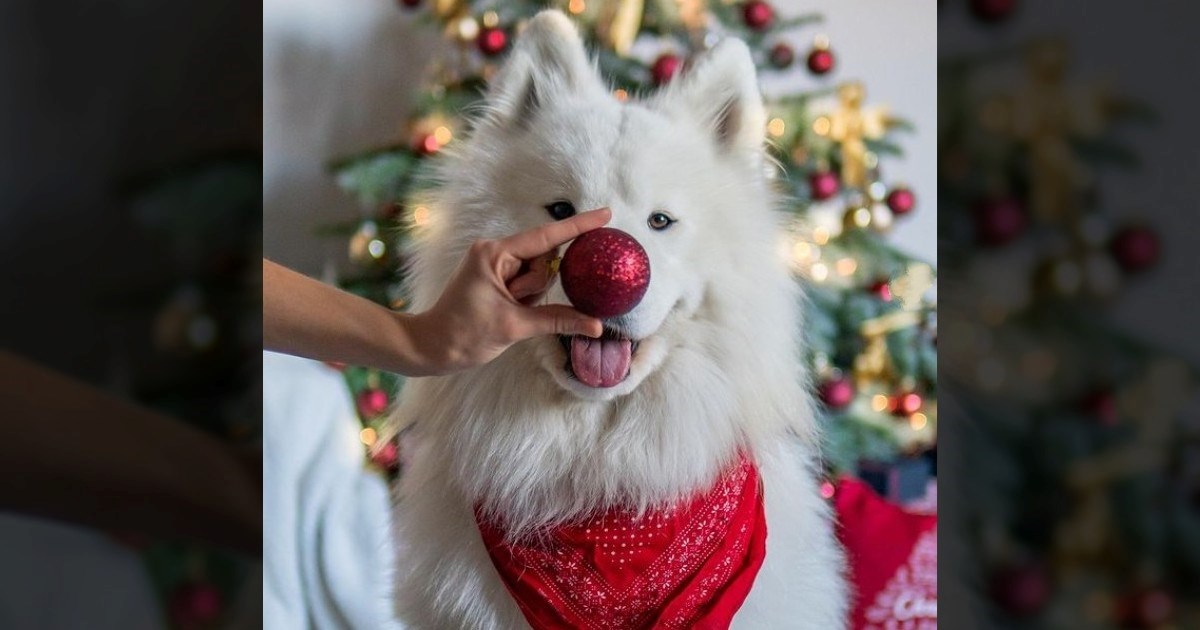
x,y
560,319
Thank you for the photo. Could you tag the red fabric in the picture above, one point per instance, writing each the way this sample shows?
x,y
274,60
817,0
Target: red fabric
x,y
689,566
893,560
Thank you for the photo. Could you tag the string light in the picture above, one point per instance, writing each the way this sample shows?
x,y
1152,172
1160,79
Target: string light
x,y
918,421
820,236
803,252
846,266
376,248
420,216
576,7
621,95
819,272
491,19
776,127
861,217
827,490
880,403
822,125
443,135
368,436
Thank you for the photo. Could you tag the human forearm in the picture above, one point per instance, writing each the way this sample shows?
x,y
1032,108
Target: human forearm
x,y
307,318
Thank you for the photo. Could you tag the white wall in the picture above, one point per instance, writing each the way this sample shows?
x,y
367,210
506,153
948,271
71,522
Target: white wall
x,y
338,76
891,46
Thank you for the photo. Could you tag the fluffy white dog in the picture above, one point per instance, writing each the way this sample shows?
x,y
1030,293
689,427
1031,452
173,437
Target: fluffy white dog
x,y
538,441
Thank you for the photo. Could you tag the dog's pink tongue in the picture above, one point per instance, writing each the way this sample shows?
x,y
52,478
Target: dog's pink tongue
x,y
600,362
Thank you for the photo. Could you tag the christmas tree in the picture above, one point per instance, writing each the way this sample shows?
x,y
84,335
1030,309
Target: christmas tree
x,y
870,325
1082,490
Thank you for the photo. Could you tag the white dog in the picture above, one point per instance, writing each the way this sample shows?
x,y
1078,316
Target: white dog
x,y
524,453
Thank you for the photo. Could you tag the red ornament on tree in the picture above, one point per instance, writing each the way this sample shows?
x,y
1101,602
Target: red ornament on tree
x,y
901,200
820,60
386,455
426,145
993,11
881,289
665,68
823,184
782,55
758,15
194,604
1021,590
605,272
1136,248
371,402
999,221
836,393
492,41
906,404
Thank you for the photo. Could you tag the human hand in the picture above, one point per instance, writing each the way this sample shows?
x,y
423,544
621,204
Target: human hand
x,y
487,305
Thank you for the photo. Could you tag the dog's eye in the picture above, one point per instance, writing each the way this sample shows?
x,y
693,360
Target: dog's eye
x,y
560,210
660,221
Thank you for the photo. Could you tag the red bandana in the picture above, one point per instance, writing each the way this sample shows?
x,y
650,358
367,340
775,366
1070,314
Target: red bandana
x,y
689,566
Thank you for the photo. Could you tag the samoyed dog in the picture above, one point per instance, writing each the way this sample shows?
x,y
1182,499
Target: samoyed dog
x,y
514,464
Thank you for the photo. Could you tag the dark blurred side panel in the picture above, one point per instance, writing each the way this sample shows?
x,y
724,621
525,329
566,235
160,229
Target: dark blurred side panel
x,y
1069,173
130,227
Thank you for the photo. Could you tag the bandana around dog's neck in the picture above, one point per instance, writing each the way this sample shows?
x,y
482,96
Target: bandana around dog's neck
x,y
686,566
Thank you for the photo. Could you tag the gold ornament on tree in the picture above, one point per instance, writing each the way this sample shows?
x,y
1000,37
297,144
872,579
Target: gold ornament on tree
x,y
874,362
852,125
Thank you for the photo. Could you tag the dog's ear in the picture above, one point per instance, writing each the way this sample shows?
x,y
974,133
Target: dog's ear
x,y
721,92
548,61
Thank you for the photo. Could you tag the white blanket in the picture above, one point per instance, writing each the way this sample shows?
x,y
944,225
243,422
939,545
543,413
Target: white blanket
x,y
327,548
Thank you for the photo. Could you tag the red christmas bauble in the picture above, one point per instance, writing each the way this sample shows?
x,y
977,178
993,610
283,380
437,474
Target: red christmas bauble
x,y
782,55
1136,248
906,404
758,15
605,272
1021,590
386,456
665,68
492,41
836,393
882,289
371,402
993,10
411,4
999,221
901,201
194,604
823,184
820,61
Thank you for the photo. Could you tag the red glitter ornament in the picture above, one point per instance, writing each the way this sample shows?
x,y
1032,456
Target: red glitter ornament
x,y
1102,405
605,272
665,68
901,201
820,61
1136,248
836,393
758,15
371,402
492,41
823,184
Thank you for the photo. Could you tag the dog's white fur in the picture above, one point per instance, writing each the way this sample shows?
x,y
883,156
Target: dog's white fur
x,y
718,369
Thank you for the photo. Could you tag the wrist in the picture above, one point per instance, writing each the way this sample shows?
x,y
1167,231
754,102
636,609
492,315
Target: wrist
x,y
421,350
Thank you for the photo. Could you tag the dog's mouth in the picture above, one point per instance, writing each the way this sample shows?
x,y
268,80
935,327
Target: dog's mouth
x,y
602,362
